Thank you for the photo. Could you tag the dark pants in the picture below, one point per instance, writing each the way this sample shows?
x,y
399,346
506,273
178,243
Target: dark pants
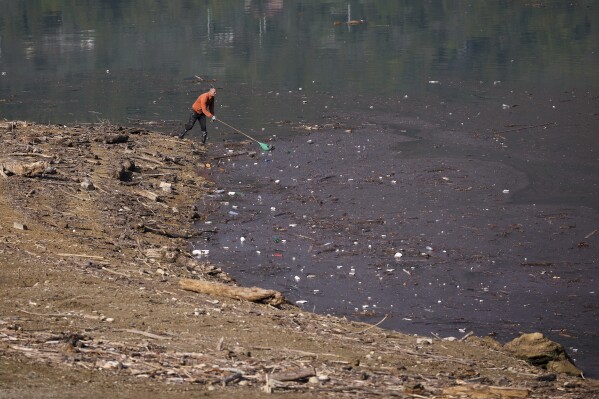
x,y
193,117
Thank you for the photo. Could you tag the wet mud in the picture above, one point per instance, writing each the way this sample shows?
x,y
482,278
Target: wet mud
x,y
391,220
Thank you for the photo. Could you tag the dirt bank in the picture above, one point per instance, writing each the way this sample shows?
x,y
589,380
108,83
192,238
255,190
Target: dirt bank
x,y
95,223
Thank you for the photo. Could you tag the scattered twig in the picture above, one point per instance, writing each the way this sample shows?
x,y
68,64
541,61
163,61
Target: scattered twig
x,y
306,237
234,154
147,229
544,264
372,326
100,188
115,272
140,157
467,335
30,154
436,357
145,334
81,256
74,196
525,128
48,314
304,353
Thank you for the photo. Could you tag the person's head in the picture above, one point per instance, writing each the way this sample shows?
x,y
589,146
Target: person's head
x,y
212,91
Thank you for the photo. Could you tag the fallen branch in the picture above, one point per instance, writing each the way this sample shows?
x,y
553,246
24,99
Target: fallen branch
x,y
81,256
252,294
304,353
146,334
155,161
31,154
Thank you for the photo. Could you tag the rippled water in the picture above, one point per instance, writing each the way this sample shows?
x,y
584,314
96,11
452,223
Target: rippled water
x,y
80,61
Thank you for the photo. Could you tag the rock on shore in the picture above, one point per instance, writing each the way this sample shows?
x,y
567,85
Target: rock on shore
x,y
540,351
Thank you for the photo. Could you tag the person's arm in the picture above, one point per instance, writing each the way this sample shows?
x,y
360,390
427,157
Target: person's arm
x,y
206,111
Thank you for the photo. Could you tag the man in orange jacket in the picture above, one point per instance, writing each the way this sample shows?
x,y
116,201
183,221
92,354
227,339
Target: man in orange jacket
x,y
202,108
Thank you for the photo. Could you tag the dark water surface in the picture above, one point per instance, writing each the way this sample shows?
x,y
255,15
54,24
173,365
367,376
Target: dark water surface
x,y
509,86
341,225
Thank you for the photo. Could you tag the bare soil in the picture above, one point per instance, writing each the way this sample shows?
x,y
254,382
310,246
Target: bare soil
x,y
92,307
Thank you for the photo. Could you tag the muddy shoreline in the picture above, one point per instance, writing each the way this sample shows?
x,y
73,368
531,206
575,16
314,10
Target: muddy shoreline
x,y
430,225
96,242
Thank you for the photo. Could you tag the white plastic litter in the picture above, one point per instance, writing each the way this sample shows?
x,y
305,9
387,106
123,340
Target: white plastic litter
x,y
200,252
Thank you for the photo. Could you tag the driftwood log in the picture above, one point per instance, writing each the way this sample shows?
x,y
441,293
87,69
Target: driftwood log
x,y
485,391
32,169
295,375
280,380
116,138
252,294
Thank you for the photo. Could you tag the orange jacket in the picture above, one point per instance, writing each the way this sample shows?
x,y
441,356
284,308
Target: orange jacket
x,y
204,105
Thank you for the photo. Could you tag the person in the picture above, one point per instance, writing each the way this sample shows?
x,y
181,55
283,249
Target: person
x,y
202,108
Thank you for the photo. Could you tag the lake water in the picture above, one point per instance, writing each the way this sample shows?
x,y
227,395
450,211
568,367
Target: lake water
x,y
130,59
487,68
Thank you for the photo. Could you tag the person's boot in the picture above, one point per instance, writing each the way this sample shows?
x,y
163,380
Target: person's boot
x,y
183,133
204,137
